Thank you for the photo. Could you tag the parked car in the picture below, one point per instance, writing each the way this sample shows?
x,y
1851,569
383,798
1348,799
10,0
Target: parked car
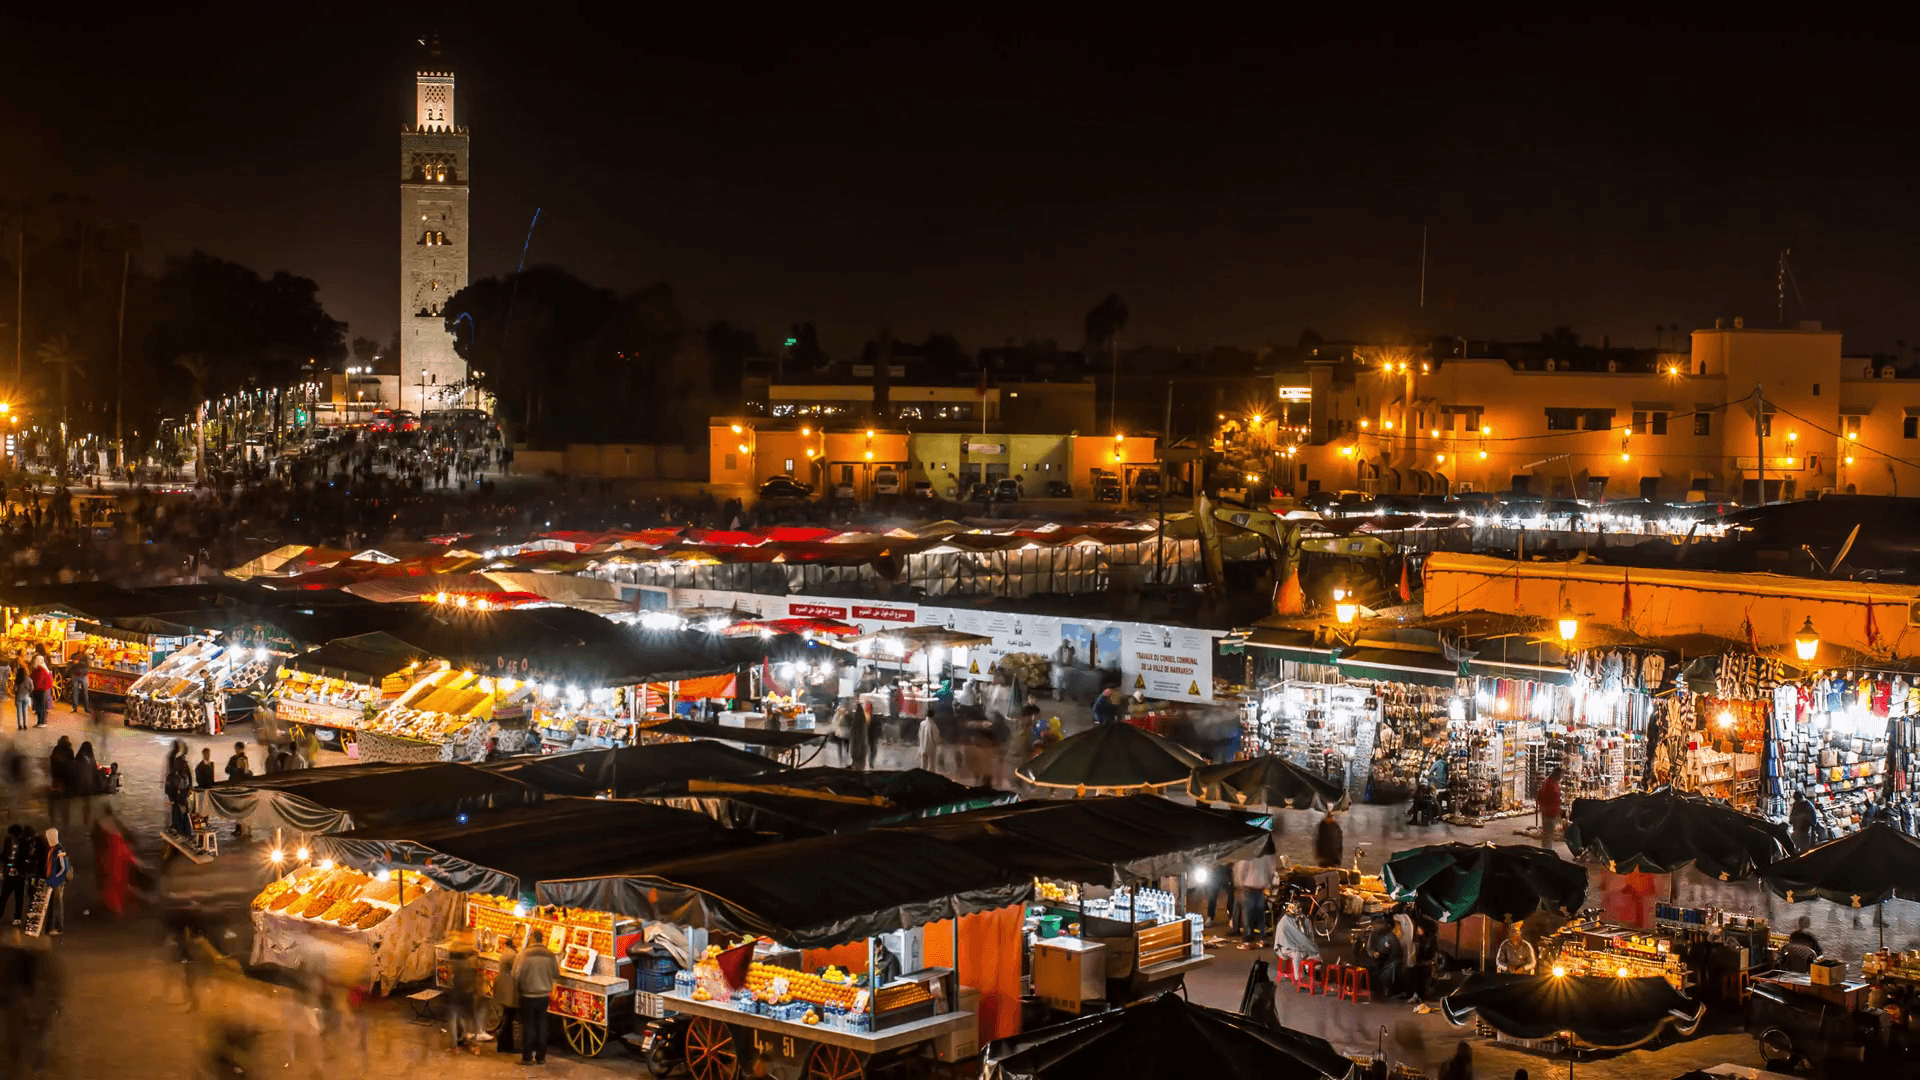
x,y
980,493
1007,490
922,489
1106,488
845,491
1146,487
1059,489
784,487
886,482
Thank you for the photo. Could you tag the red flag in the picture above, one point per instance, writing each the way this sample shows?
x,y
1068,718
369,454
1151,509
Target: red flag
x,y
1753,642
1873,625
1406,591
1626,598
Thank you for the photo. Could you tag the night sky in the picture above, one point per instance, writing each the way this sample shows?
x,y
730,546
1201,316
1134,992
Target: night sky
x,y
1235,182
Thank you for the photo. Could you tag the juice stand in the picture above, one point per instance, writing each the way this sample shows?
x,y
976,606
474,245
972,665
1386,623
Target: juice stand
x,y
821,964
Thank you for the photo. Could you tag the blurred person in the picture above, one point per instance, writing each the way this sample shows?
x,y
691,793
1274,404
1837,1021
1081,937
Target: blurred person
x,y
77,679
860,736
1515,956
1547,801
1329,842
203,776
1295,938
463,989
22,692
60,767
505,994
16,860
114,864
42,680
1105,709
929,744
56,870
178,789
1251,880
533,974
1460,1065
238,767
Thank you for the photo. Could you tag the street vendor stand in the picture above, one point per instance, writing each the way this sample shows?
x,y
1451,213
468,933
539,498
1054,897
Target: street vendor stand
x,y
385,924
490,861
1135,939
447,715
335,689
189,690
316,801
772,1010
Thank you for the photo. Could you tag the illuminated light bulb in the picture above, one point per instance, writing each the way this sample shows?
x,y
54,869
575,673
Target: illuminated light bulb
x,y
1725,719
869,433
1793,436
383,876
736,429
303,854
1388,424
1558,971
1436,433
1806,644
326,864
1853,434
1440,458
1363,423
1624,456
806,431
1849,459
1622,972
276,855
1569,625
1483,455
1485,430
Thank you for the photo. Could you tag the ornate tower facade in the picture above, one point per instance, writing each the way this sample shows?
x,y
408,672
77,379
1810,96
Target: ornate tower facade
x,y
433,240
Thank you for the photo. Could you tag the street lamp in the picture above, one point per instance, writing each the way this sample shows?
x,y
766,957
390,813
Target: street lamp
x,y
1345,608
1806,644
1569,625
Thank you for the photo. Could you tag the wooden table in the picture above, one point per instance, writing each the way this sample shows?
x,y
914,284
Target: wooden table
x,y
1847,995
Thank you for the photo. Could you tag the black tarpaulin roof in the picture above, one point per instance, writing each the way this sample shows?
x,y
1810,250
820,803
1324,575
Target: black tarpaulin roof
x,y
366,796
504,852
808,893
563,643
1165,1037
1659,832
815,801
1599,1010
700,729
362,658
633,771
1860,869
1123,839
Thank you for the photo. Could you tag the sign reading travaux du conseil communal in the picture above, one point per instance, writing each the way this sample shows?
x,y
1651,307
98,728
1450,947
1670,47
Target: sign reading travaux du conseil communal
x,y
1171,662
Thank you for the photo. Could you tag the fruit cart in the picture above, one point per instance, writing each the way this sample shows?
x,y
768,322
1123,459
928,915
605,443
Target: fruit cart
x,y
593,993
765,1004
346,919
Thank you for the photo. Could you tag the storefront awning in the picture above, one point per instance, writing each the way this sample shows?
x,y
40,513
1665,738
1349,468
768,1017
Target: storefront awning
x,y
1399,665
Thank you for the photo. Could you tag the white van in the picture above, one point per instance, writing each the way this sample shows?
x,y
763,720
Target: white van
x,y
886,482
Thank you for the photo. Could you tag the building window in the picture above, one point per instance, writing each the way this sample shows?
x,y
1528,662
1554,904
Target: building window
x,y
1640,422
789,467
1910,427
1656,424
732,462
1703,423
1563,419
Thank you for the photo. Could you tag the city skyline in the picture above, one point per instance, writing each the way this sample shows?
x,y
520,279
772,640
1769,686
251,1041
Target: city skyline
x,y
995,185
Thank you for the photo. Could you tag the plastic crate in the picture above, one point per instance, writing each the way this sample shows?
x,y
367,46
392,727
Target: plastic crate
x,y
656,965
653,982
645,1004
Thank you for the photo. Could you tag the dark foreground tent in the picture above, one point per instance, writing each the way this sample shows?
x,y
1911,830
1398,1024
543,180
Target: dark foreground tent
x,y
1449,882
630,772
776,740
505,852
1664,831
1130,839
362,658
1165,1038
366,796
1112,757
1860,869
816,801
1599,1011
807,893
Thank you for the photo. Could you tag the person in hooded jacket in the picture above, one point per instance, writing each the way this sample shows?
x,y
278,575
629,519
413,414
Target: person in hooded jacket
x,y
16,860
60,767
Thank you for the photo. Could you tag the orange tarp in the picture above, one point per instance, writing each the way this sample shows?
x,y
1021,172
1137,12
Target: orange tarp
x,y
700,689
990,945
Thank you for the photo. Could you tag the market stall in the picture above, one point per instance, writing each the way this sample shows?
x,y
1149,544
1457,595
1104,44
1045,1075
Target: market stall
x,y
631,772
1108,922
491,860
1844,741
1580,1011
385,924
767,1007
904,668
189,690
448,715
340,686
815,801
1165,1038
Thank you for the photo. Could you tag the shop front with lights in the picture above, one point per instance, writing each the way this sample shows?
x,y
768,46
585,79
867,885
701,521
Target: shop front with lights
x,y
1717,730
450,715
1845,740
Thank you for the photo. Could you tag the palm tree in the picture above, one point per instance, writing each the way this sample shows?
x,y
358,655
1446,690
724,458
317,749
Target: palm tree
x,y
197,369
60,351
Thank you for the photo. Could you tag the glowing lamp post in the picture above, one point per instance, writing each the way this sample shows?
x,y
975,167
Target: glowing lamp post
x,y
1569,625
1806,643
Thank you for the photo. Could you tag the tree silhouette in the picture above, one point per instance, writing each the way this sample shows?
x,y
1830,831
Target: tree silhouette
x,y
60,352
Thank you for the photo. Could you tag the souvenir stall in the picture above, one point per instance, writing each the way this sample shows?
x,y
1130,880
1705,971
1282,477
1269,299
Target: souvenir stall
x,y
449,715
1717,727
825,954
189,690
1844,739
323,914
1320,726
113,659
571,718
338,687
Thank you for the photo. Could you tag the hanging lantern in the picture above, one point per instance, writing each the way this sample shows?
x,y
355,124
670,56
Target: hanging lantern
x,y
1806,644
1344,606
1569,625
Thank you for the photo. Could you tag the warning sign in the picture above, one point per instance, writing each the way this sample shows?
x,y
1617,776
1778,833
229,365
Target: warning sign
x,y
1139,682
973,668
1195,688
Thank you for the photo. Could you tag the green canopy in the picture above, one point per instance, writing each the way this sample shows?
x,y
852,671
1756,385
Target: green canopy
x,y
1859,870
1269,781
1112,756
1659,832
1597,1010
1452,881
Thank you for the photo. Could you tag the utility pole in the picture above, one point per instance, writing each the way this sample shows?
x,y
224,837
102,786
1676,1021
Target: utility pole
x,y
1760,437
119,359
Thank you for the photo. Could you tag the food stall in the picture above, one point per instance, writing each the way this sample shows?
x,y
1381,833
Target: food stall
x,y
491,860
321,913
911,664
573,718
448,715
1108,922
1597,948
797,981
336,688
189,690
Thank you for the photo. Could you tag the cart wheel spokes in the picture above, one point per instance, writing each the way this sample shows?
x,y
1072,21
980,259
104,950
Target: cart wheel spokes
x,y
830,1062
587,1039
711,1054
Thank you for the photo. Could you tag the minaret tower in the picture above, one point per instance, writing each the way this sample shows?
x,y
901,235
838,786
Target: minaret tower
x,y
433,238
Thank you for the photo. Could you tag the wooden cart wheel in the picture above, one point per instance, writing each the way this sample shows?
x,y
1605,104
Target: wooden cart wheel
x,y
62,687
830,1062
588,1039
711,1054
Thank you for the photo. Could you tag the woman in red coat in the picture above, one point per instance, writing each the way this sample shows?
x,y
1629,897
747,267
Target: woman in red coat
x,y
114,862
